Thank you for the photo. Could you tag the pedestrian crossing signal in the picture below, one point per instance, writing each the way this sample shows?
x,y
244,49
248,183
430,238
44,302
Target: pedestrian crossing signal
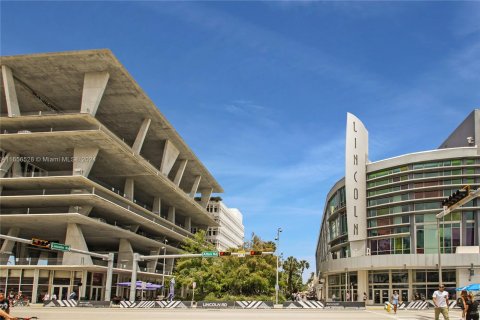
x,y
224,253
255,253
40,243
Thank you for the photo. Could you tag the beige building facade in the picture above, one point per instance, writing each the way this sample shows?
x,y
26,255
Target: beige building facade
x,y
88,160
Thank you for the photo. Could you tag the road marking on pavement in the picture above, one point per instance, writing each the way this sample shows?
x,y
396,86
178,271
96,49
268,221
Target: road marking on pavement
x,y
383,314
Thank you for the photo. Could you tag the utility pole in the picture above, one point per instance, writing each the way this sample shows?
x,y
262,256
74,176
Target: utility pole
x,y
163,272
277,287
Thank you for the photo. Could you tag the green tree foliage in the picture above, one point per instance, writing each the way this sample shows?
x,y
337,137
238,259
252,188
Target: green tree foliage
x,y
228,277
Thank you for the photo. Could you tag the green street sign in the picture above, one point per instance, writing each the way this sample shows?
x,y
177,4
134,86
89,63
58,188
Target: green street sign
x,y
209,254
59,246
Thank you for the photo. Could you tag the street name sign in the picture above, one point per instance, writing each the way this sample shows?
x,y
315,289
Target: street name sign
x,y
59,246
209,254
241,254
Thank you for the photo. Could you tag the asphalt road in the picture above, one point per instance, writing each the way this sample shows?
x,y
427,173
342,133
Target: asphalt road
x,y
236,314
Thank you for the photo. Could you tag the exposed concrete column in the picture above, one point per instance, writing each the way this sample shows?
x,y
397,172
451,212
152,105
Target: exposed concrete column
x,y
128,190
22,253
7,246
83,287
169,263
125,255
170,154
83,160
362,284
94,84
10,92
171,214
17,169
195,185
74,237
180,171
188,224
7,162
157,205
142,133
36,274
206,194
152,264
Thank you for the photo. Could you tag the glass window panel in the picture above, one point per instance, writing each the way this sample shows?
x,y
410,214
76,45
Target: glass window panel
x,y
456,162
420,276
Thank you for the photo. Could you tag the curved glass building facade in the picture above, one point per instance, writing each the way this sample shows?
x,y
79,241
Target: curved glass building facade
x,y
380,234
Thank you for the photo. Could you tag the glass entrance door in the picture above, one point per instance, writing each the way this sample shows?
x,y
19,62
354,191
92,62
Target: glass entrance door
x,y
61,292
403,293
380,296
96,293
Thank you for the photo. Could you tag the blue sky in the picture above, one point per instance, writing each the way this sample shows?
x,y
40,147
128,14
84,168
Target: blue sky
x,y
260,90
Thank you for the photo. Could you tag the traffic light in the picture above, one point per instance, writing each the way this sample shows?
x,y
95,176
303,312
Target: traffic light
x,y
40,243
456,196
224,253
255,253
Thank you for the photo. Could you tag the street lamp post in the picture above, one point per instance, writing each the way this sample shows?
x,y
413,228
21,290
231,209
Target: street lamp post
x,y
277,288
163,272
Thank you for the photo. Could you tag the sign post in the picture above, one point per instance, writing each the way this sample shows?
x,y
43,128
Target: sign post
x,y
194,285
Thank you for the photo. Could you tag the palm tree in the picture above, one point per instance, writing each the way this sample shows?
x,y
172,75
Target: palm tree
x,y
304,265
291,267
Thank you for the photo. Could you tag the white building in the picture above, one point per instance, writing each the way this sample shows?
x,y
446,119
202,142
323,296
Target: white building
x,y
379,230
230,232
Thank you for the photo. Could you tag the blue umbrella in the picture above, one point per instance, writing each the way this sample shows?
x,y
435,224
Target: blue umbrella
x,y
471,287
149,286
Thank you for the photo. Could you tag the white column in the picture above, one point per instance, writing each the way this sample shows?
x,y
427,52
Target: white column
x,y
8,245
171,214
180,171
128,190
152,264
188,224
10,92
83,160
362,285
125,255
7,163
157,205
170,154
206,194
94,84
74,238
36,273
142,133
195,185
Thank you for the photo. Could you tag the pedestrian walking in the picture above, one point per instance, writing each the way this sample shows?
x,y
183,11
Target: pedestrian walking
x,y
471,308
395,298
347,296
334,297
462,302
365,298
440,300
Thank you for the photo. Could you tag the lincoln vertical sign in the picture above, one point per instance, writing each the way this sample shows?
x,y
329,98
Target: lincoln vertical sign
x,y
356,157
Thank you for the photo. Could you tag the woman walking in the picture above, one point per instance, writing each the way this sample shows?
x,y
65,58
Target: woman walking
x,y
471,308
395,298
